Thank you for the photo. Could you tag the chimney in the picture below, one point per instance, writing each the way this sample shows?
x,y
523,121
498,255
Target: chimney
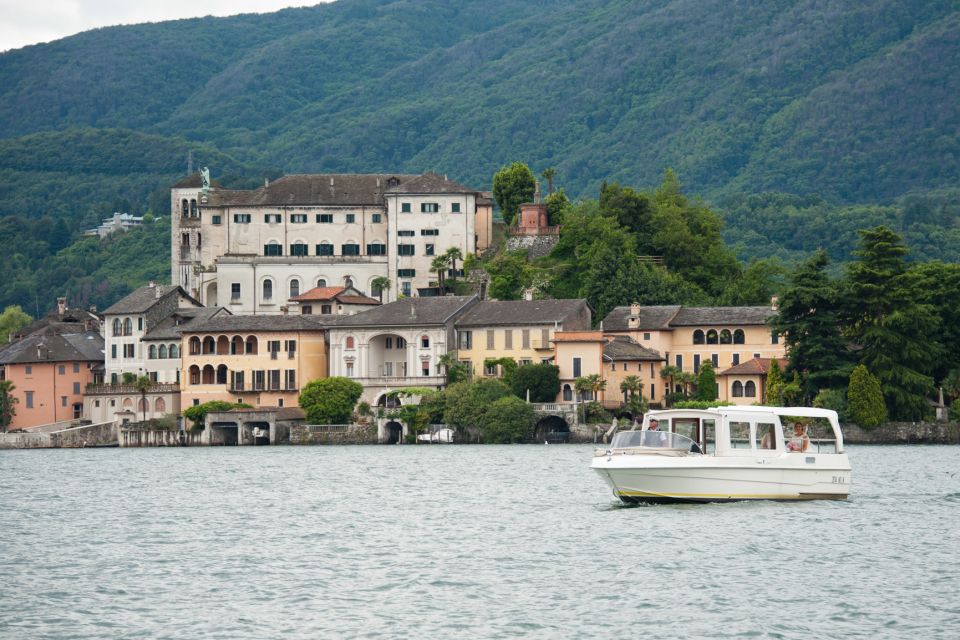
x,y
156,291
528,294
266,182
633,320
331,181
413,311
61,306
93,308
774,302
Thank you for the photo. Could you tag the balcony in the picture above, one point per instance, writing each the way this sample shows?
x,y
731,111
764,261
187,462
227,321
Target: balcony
x,y
403,381
189,223
541,345
257,259
118,389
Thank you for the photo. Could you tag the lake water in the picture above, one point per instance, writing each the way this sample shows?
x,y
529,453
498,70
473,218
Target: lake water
x,y
460,541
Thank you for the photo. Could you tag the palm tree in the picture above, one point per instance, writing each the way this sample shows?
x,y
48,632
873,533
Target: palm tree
x,y
670,373
141,384
630,387
439,265
380,283
548,174
452,255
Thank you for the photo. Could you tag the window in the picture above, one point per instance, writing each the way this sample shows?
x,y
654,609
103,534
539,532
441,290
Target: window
x,y
258,380
273,379
243,218
696,363
376,249
455,207
326,309
756,355
325,218
235,292
306,309
404,207
152,352
117,327
425,368
273,249
646,336
29,399
76,367
576,368
217,220
653,391
62,370
489,369
737,390
405,288
321,282
715,359
712,337
736,359
350,342
350,249
290,346
271,218
406,273
350,370
113,354
268,289
294,288
567,393
679,362
750,389
290,379
324,249
351,218
127,327
376,218
162,352
128,351
508,339
525,338
405,249
698,337
298,218
428,250
140,323
406,233
429,207
490,339
76,388
738,337
299,249
726,337
401,343
429,232
774,337
465,340
424,342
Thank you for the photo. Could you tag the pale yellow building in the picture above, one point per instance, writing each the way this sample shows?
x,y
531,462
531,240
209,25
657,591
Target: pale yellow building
x,y
263,361
578,354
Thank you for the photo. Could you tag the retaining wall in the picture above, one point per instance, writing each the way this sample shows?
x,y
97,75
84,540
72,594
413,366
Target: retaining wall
x,y
317,434
904,433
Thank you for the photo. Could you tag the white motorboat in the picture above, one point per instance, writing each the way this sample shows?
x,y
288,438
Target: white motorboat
x,y
727,453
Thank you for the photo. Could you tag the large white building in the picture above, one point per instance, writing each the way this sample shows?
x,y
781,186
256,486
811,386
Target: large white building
x,y
252,250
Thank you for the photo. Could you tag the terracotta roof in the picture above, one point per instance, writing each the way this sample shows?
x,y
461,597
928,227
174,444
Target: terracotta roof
x,y
144,298
430,183
520,312
624,348
409,312
311,189
319,293
39,348
754,366
655,318
578,336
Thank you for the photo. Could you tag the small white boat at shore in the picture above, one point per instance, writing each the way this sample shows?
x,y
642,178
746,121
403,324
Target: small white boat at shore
x,y
727,453
441,436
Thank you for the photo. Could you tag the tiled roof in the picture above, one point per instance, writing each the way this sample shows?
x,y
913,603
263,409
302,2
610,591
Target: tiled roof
x,y
656,318
228,323
345,299
754,366
430,183
168,329
144,298
71,347
578,336
72,321
624,348
311,189
703,316
409,312
519,312
346,295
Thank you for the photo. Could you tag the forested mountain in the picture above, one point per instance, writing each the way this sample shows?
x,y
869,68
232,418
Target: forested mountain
x,y
801,120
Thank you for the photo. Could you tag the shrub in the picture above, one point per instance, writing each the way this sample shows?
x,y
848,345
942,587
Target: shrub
x,y
330,400
198,413
707,382
835,399
865,399
466,402
543,381
700,404
508,419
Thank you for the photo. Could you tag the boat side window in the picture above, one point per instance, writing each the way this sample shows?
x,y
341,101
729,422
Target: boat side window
x,y
766,436
710,436
740,435
686,427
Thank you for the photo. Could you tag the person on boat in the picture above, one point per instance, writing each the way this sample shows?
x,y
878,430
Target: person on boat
x,y
800,440
657,438
769,440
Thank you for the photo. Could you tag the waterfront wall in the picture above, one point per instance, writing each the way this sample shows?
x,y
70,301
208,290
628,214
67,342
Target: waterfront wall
x,y
904,433
333,434
24,440
90,435
159,438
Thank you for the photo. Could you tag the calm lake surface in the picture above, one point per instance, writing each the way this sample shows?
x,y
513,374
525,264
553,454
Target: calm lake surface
x,y
460,541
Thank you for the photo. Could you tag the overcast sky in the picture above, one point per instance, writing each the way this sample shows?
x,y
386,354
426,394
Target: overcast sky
x,y
24,22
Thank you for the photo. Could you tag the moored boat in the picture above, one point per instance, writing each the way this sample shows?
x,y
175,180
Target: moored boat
x,y
727,453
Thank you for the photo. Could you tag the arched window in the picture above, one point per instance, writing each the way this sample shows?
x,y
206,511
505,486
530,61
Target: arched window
x,y
174,351
712,337
161,352
209,345
348,282
194,374
738,337
194,346
236,346
321,282
117,327
142,407
127,403
223,345
199,240
252,345
127,327
726,337
268,289
349,342
222,374
152,352
184,208
193,208
209,374
160,407
698,337
737,389
750,389
567,393
294,288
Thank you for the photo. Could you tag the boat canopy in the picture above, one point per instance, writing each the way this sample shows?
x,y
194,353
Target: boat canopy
x,y
793,412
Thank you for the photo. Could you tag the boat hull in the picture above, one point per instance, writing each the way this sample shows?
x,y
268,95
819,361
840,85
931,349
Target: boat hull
x,y
648,479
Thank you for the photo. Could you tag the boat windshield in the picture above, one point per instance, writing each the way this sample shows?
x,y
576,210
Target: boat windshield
x,y
653,439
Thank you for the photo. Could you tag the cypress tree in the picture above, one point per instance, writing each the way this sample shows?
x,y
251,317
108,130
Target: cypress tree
x,y
707,382
865,399
775,383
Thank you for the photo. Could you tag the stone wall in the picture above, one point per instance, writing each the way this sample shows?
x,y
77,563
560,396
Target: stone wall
x,y
159,438
24,440
353,434
536,246
92,435
904,433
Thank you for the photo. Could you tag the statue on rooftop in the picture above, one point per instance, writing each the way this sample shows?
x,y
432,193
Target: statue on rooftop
x,y
205,178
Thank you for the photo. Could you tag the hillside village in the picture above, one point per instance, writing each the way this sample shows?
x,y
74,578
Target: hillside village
x,y
313,276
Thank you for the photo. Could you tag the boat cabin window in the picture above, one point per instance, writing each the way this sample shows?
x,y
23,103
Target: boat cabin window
x,y
688,427
710,436
766,436
740,435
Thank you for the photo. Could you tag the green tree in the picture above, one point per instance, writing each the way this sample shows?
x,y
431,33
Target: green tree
x,y
380,284
454,370
198,413
808,318
439,265
865,399
548,175
467,402
7,402
774,385
12,320
632,211
557,203
707,382
452,255
508,419
330,400
513,185
142,384
541,380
